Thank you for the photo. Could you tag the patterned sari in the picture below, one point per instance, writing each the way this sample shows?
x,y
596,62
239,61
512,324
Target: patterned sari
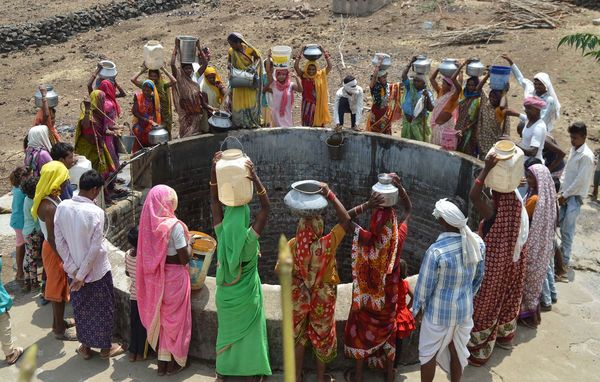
x,y
371,327
492,122
446,102
314,284
244,108
540,242
386,108
496,304
149,108
193,119
415,128
468,115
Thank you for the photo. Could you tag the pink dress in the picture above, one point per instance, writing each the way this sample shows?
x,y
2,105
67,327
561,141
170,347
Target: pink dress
x,y
285,119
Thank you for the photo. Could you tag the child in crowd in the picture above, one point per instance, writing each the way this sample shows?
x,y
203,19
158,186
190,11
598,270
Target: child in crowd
x,y
137,342
33,237
405,321
16,217
11,352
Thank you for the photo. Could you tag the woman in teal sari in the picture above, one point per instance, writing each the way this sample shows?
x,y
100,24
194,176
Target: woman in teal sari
x,y
242,347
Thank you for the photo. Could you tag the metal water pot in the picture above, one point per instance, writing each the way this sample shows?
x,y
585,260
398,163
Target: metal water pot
x,y
422,65
475,68
312,52
448,66
158,135
51,97
385,64
387,189
108,70
305,200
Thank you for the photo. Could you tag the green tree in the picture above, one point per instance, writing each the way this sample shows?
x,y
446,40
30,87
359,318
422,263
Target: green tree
x,y
587,43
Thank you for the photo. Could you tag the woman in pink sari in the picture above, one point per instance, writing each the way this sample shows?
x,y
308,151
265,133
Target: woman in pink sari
x,y
112,111
163,279
445,111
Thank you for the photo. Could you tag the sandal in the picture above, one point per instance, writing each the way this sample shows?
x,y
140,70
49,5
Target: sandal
x,y
70,334
113,352
69,322
14,357
85,354
178,368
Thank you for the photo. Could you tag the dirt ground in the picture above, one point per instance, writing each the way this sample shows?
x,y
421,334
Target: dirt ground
x,y
395,29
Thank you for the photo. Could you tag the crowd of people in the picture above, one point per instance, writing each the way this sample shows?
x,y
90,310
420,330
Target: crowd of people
x,y
473,288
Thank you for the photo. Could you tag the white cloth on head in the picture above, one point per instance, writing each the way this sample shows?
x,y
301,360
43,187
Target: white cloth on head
x,y
435,339
351,87
523,229
39,138
453,215
545,79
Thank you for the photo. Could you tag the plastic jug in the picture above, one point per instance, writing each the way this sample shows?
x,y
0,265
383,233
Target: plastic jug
x,y
153,55
281,55
499,77
203,249
507,174
235,189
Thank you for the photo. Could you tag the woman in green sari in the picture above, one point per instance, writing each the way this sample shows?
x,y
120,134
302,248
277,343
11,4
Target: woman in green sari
x,y
417,103
242,347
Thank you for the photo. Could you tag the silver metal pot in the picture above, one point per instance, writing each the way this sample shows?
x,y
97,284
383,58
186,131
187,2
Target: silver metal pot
x,y
51,97
448,66
385,64
312,52
475,68
422,65
305,200
158,135
220,121
187,48
387,189
108,71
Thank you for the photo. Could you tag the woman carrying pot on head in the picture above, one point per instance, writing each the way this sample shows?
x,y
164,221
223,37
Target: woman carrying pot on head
x,y
386,102
371,330
163,279
46,115
468,116
493,121
146,114
445,111
190,104
242,346
243,57
112,111
283,90
315,90
37,150
416,106
163,88
314,286
541,86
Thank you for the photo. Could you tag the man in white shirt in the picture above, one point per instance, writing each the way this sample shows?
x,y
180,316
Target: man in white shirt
x,y
534,133
575,183
349,99
78,230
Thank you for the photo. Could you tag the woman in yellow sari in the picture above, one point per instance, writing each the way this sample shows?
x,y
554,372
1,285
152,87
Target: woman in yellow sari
x,y
245,109
315,91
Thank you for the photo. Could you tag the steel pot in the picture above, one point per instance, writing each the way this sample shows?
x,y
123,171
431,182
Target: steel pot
x,y
385,64
422,65
448,66
187,49
158,135
312,52
305,200
51,97
387,189
475,68
220,121
108,71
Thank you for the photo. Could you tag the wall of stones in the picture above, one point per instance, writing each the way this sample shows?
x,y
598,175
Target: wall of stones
x,y
283,156
120,217
59,28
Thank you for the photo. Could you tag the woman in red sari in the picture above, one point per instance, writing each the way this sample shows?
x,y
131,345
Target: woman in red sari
x,y
504,230
386,107
112,112
146,113
371,329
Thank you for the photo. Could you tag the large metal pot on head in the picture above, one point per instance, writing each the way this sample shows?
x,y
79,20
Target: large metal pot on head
x,y
448,66
305,200
108,70
51,97
158,135
422,65
475,68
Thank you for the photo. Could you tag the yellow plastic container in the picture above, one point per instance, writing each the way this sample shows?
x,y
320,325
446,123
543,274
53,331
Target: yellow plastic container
x,y
203,249
281,55
235,189
506,175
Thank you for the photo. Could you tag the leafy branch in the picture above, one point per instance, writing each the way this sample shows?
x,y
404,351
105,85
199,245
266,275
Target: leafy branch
x,y
587,43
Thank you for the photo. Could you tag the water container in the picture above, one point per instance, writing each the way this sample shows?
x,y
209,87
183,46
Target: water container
x,y
82,165
449,139
281,56
153,55
203,249
506,175
187,48
499,77
235,189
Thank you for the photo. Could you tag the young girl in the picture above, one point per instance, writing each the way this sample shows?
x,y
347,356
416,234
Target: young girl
x,y
137,341
33,237
17,218
315,93
404,318
283,89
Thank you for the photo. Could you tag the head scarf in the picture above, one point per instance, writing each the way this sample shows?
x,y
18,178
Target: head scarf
x,y
351,87
39,138
306,65
212,70
156,100
452,215
545,79
468,94
156,224
286,97
236,221
97,98
322,116
111,93
534,101
52,177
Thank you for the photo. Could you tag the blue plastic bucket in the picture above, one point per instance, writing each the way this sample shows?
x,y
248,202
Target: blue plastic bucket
x,y
499,77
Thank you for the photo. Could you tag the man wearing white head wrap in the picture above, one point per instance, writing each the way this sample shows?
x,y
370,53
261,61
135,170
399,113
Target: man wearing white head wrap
x,y
450,275
541,86
349,99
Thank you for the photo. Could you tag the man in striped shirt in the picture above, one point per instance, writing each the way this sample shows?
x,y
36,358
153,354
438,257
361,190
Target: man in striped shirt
x,y
450,275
